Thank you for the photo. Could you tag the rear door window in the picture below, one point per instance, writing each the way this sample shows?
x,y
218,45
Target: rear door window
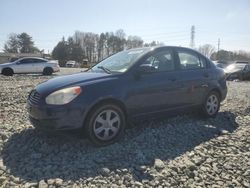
x,y
39,61
190,60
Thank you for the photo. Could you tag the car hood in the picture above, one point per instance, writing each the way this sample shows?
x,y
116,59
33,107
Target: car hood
x,y
60,82
234,68
7,64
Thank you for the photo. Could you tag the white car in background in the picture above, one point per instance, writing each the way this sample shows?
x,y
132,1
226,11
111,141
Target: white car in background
x,y
30,65
72,64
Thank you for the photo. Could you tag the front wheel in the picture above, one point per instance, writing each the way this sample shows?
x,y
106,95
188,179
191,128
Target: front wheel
x,y
211,105
7,72
105,124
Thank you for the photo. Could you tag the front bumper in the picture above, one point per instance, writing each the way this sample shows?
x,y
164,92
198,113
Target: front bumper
x,y
232,75
55,118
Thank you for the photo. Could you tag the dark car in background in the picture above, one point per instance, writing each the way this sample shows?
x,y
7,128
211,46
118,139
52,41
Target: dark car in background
x,y
238,70
221,64
137,83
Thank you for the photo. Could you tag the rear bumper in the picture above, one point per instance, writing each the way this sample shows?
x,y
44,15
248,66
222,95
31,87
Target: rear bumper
x,y
56,69
223,94
55,118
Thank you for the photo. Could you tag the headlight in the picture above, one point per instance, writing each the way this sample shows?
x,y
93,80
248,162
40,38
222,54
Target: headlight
x,y
63,96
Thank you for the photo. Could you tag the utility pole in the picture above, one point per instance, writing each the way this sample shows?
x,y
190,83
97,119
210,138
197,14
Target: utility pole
x,y
218,50
218,44
192,45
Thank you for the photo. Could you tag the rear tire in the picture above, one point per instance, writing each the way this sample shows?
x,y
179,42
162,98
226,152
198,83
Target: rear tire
x,y
105,124
211,105
7,72
47,71
241,77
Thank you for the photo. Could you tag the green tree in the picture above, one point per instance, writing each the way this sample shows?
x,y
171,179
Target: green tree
x,y
12,45
68,50
223,55
26,44
60,52
21,43
74,51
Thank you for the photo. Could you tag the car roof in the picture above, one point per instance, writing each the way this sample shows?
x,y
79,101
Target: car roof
x,y
162,47
32,58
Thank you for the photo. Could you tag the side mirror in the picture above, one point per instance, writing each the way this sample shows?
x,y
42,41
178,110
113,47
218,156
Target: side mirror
x,y
146,68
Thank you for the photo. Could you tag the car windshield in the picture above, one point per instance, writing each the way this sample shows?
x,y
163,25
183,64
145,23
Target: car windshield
x,y
119,62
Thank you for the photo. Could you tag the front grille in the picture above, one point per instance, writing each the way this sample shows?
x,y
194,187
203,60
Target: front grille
x,y
34,97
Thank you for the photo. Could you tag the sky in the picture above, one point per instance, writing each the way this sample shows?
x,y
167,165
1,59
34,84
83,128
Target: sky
x,y
167,21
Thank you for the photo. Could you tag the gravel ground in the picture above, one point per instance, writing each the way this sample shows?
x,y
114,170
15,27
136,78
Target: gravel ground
x,y
182,151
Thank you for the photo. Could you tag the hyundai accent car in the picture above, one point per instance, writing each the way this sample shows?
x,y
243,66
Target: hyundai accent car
x,y
29,65
135,83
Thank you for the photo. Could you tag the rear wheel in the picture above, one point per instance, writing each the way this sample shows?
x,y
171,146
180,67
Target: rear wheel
x,y
47,71
105,124
240,76
211,105
7,72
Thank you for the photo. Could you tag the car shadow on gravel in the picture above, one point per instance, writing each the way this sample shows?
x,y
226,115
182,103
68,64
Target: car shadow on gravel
x,y
33,155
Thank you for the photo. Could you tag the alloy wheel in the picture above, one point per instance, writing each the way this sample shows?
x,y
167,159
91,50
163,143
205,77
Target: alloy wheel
x,y
212,104
107,124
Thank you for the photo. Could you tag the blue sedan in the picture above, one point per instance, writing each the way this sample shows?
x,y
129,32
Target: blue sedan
x,y
135,83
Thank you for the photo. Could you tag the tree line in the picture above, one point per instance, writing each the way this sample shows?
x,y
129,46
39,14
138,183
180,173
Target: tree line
x,y
95,47
82,46
223,55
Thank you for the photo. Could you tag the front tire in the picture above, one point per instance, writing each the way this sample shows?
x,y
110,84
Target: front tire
x,y
105,124
211,105
7,72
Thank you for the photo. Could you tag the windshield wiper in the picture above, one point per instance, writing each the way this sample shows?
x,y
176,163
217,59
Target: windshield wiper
x,y
105,69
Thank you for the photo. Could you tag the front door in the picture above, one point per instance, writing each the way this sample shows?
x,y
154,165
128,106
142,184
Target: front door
x,y
24,66
158,90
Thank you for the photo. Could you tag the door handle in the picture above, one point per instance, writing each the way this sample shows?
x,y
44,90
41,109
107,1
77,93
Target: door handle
x,y
204,85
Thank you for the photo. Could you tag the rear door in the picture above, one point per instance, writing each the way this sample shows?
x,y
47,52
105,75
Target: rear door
x,y
194,74
39,65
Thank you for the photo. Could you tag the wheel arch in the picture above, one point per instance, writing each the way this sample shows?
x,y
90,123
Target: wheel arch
x,y
113,101
217,91
47,67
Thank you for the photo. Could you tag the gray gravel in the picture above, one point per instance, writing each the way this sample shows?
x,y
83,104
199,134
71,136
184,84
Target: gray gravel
x,y
182,151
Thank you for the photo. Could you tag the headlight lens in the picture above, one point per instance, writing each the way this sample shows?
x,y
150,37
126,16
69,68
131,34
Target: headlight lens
x,y
63,96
